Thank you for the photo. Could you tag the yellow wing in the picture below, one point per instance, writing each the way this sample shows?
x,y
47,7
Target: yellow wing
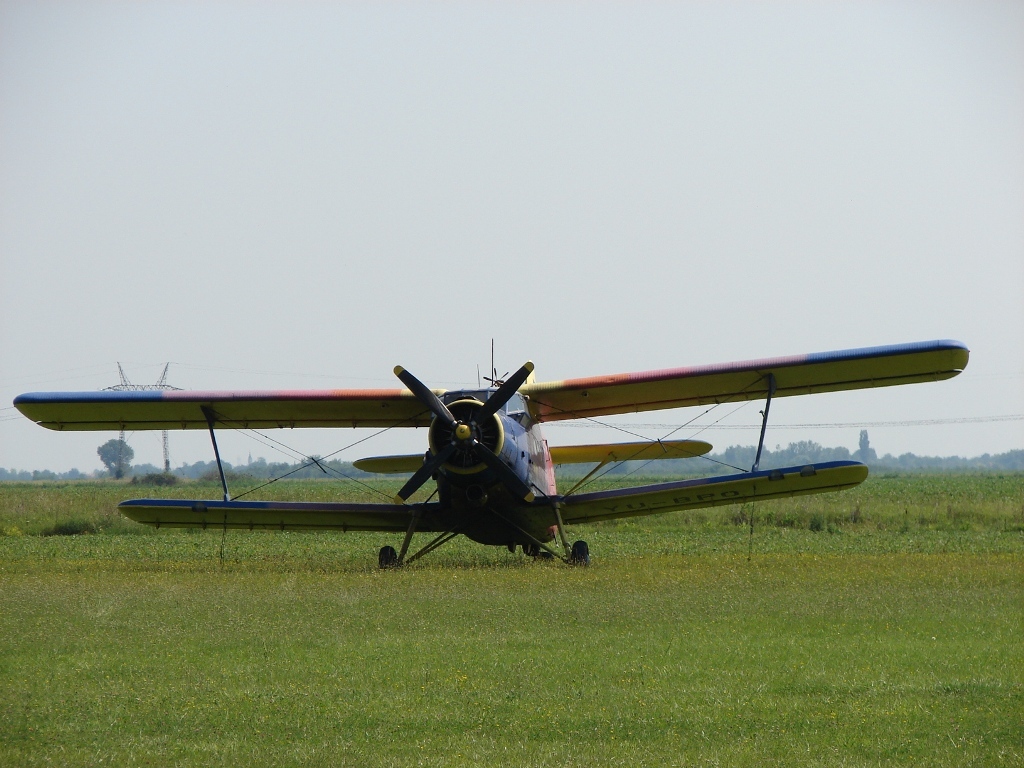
x,y
603,454
567,454
232,410
282,515
390,465
712,491
735,382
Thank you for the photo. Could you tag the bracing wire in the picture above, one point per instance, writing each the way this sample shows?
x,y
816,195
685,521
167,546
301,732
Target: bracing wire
x,y
633,471
309,461
649,441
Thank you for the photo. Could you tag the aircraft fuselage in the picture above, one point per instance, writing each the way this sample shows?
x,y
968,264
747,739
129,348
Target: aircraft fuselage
x,y
479,502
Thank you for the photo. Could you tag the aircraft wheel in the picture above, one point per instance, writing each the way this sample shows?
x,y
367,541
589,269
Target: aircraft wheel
x,y
531,549
387,558
545,555
580,553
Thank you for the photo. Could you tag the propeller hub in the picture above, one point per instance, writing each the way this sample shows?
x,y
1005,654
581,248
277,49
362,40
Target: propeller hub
x,y
469,435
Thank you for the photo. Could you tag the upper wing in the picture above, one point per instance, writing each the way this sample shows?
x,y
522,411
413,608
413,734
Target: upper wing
x,y
233,410
733,382
712,491
548,401
281,515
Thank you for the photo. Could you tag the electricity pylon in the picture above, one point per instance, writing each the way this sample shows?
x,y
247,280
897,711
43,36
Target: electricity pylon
x,y
161,383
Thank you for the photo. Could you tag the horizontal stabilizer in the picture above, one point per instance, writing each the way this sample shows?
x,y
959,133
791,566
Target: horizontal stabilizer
x,y
390,465
277,515
712,491
646,451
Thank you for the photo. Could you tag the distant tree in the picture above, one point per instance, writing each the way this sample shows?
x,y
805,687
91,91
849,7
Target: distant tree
x,y
116,456
865,452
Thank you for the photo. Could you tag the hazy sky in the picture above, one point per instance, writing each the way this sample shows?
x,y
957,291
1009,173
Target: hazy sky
x,y
303,195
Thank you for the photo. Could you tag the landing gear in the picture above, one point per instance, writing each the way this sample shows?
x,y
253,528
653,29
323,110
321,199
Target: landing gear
x,y
387,558
579,554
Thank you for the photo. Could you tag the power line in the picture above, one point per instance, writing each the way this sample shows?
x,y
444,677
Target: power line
x,y
820,425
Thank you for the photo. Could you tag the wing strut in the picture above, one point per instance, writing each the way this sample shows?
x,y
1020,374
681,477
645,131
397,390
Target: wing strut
x,y
210,419
587,476
764,421
417,512
437,541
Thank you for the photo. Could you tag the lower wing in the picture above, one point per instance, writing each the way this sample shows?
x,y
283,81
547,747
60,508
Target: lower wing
x,y
280,515
712,491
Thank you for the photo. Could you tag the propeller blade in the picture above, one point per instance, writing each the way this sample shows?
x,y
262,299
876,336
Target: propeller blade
x,y
426,396
424,473
508,477
505,391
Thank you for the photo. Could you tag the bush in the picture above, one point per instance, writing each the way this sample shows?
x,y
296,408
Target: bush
x,y
71,528
156,478
232,477
817,523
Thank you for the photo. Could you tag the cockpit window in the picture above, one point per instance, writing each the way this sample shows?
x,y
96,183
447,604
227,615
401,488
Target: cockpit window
x,y
515,404
515,407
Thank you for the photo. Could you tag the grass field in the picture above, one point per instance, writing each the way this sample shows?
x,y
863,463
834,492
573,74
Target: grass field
x,y
882,626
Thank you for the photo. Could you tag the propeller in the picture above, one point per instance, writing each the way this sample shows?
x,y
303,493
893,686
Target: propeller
x,y
426,396
424,473
463,434
510,478
504,393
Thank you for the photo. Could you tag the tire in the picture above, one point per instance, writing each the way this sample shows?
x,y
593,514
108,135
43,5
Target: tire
x,y
580,553
387,558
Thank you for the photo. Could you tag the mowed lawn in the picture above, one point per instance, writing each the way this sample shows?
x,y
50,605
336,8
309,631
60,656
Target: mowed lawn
x,y
676,647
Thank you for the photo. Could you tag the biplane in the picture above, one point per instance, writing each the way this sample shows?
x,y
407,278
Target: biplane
x,y
493,469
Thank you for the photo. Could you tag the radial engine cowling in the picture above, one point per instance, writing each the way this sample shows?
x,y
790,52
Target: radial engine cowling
x,y
485,434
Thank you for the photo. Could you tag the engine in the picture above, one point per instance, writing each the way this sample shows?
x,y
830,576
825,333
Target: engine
x,y
471,435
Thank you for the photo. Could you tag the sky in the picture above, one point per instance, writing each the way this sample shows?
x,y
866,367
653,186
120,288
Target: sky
x,y
303,195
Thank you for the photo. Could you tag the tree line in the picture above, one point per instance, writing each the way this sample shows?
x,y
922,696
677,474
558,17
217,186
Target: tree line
x,y
117,460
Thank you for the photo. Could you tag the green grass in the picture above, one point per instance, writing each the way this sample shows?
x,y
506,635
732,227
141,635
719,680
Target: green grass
x,y
912,502
892,636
